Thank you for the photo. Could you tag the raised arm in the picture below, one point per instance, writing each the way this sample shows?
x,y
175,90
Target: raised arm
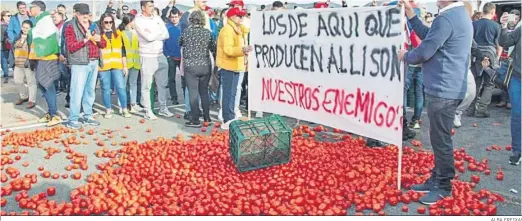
x,y
418,26
509,39
439,33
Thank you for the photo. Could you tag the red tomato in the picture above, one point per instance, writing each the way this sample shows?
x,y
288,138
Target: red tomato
x,y
51,191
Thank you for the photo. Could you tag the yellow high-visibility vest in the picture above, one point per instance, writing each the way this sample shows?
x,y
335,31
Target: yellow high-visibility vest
x,y
112,53
131,50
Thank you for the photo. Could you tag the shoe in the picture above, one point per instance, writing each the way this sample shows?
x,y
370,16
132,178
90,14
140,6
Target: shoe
x,y
91,122
415,124
508,106
166,113
456,121
125,113
193,124
45,119
501,104
6,80
434,195
514,160
135,109
73,125
426,187
482,114
175,102
21,101
408,134
108,114
95,112
150,116
67,105
226,125
259,114
54,121
30,105
186,116
373,143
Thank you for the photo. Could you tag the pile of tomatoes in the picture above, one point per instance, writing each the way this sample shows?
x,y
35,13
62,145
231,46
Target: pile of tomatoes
x,y
196,176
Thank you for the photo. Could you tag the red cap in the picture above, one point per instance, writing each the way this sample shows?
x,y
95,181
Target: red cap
x,y
237,2
133,11
207,8
211,13
235,12
321,5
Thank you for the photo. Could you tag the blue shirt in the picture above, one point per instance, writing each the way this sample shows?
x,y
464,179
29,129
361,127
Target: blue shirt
x,y
486,32
171,46
444,53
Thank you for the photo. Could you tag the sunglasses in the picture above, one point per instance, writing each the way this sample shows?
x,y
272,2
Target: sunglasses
x,y
107,22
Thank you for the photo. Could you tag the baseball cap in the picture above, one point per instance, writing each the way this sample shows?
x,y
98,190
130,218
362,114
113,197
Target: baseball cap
x,y
236,12
321,5
236,2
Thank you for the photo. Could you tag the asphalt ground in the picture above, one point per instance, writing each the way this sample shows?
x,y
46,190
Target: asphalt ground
x,y
491,131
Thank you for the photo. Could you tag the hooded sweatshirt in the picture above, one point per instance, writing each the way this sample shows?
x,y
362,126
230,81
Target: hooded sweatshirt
x,y
151,33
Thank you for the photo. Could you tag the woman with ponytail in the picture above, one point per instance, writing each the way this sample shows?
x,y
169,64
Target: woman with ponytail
x,y
130,41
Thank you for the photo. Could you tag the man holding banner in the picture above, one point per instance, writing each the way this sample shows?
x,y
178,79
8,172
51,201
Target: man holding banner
x,y
444,55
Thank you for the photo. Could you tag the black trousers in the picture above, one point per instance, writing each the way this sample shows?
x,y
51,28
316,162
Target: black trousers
x,y
173,64
197,79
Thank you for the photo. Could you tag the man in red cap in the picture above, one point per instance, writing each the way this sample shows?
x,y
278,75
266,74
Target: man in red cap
x,y
321,5
231,53
236,4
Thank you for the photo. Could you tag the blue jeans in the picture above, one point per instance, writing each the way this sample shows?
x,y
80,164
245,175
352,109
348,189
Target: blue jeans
x,y
502,71
441,113
414,75
83,81
108,79
229,81
50,98
5,63
514,94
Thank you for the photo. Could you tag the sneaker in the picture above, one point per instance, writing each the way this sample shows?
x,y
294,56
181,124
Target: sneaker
x,y
54,121
415,124
6,80
456,121
482,114
514,160
501,104
67,105
193,124
259,114
125,113
108,114
508,106
226,125
408,134
426,187
186,116
150,116
135,109
21,101
175,102
434,195
45,119
30,105
73,125
91,122
166,113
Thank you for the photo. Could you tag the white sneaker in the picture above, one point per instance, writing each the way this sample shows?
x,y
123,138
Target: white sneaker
x,y
457,122
259,114
135,109
108,114
238,113
166,113
226,125
150,116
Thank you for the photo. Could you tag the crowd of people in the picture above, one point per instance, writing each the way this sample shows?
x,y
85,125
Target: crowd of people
x,y
454,61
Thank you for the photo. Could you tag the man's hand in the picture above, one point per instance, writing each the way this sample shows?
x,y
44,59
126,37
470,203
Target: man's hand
x,y
247,49
485,62
97,38
88,36
111,3
504,19
125,71
61,58
401,54
408,8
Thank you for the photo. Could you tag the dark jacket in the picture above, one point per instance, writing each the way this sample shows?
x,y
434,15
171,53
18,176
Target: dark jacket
x,y
489,52
4,36
512,39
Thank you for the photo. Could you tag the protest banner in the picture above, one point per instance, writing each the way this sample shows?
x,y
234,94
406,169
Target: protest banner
x,y
338,67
